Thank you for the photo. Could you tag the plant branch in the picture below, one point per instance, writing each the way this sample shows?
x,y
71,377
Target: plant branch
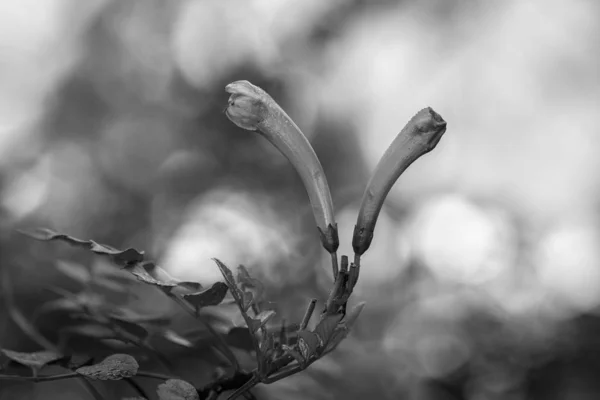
x,y
69,375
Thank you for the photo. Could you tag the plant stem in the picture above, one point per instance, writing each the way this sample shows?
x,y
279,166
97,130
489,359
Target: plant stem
x,y
69,375
309,312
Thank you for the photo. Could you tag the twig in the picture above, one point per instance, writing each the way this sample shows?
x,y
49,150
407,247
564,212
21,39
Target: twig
x,y
69,375
309,311
140,390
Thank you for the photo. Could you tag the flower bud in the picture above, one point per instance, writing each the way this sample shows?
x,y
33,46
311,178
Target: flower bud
x,y
420,135
252,108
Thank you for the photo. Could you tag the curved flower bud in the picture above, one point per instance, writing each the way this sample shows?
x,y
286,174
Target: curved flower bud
x,y
420,135
253,109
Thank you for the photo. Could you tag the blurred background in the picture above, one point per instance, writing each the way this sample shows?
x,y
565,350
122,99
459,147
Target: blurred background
x,y
483,280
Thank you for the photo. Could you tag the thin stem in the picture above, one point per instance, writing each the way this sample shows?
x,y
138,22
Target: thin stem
x,y
334,264
223,346
308,313
69,375
139,390
244,388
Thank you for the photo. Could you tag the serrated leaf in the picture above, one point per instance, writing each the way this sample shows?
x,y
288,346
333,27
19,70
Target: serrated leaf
x,y
120,257
176,338
260,320
74,271
176,389
353,314
35,360
308,344
326,326
212,296
246,281
114,367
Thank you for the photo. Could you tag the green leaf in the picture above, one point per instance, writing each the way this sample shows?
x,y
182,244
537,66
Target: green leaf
x,y
119,257
212,296
176,389
114,367
325,328
260,320
35,360
308,344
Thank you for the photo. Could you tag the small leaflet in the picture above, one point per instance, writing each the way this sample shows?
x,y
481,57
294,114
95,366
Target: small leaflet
x,y
114,367
176,389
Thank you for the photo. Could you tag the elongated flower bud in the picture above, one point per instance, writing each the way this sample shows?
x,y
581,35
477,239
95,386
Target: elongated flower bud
x,y
418,137
253,109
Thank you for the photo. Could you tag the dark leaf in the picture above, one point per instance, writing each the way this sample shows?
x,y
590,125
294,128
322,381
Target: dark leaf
x,y
212,296
326,326
308,343
134,398
120,257
35,360
260,320
240,337
114,367
176,389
